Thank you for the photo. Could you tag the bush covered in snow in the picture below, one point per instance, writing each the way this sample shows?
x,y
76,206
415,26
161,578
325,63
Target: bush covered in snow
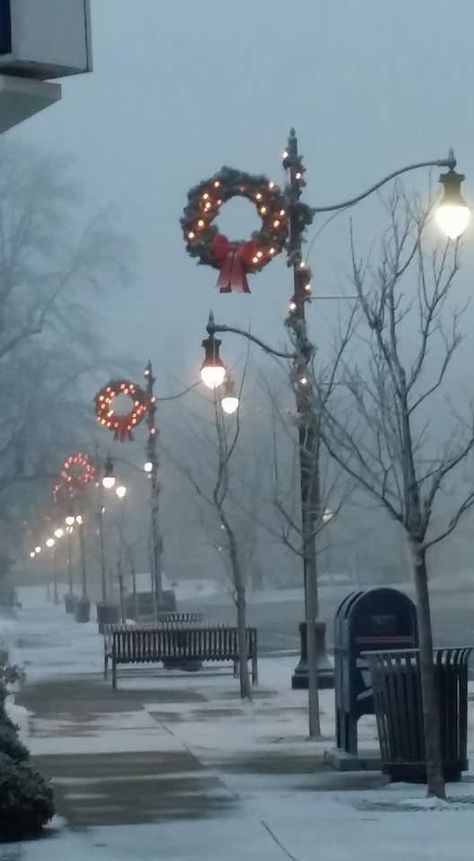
x,y
10,744
26,800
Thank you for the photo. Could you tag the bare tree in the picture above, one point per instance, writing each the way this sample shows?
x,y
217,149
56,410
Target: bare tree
x,y
388,436
216,496
50,267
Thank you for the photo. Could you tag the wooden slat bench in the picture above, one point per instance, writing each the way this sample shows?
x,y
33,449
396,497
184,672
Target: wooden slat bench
x,y
172,618
181,643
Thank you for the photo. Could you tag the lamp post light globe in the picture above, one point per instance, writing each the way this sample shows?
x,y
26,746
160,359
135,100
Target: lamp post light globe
x,y
37,549
50,542
32,554
229,401
148,467
79,519
213,375
452,213
121,491
70,520
59,532
213,370
108,481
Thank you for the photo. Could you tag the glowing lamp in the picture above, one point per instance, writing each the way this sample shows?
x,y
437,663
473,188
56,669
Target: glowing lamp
x,y
37,549
230,401
121,490
59,532
148,466
50,542
452,213
108,481
212,370
70,520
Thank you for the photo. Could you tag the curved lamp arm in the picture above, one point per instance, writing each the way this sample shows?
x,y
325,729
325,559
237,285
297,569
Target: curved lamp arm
x,y
449,162
213,327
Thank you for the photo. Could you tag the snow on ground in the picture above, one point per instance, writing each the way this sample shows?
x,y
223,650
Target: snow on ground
x,y
305,815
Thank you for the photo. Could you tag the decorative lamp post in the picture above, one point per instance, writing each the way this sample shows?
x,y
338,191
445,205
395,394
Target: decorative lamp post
x,y
152,460
452,215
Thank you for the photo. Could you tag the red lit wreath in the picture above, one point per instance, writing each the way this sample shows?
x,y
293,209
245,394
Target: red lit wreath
x,y
235,260
122,425
77,470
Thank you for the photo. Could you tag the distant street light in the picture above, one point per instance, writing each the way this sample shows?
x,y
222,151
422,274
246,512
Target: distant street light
x,y
37,549
108,481
50,542
59,532
121,490
229,401
70,520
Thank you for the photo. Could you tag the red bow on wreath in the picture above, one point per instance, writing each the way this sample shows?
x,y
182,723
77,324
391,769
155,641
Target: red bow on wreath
x,y
234,259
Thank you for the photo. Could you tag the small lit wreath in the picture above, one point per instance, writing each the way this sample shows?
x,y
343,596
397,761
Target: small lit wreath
x,y
234,259
122,425
77,470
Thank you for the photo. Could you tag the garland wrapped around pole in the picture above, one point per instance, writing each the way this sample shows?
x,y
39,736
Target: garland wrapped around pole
x,y
234,259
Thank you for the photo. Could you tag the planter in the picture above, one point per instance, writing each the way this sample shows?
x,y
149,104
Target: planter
x,y
70,602
82,611
107,614
399,711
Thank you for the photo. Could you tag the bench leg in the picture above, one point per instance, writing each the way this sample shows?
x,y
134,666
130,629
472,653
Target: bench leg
x,y
106,666
114,675
254,670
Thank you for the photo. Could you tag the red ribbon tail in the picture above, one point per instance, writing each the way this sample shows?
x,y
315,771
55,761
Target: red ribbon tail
x,y
232,278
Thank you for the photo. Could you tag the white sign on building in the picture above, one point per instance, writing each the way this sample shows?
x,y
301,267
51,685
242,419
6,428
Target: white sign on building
x,y
40,40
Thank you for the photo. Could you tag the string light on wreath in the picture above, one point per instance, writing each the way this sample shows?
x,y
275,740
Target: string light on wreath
x,y
234,259
121,424
78,470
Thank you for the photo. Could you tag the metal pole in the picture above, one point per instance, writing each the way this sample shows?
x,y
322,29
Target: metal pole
x,y
152,456
299,217
55,576
69,561
103,570
83,560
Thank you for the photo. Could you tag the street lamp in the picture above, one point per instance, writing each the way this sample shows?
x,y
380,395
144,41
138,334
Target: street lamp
x,y
70,520
229,401
37,549
108,481
59,532
212,369
50,542
121,490
148,467
452,215
32,554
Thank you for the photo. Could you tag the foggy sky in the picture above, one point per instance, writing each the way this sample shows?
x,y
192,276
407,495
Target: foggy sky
x,y
181,88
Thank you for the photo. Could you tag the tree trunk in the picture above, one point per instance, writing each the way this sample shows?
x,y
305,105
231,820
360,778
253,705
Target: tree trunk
x,y
241,604
434,765
311,614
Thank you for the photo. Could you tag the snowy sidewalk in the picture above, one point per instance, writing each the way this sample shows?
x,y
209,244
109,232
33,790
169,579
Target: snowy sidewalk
x,y
194,773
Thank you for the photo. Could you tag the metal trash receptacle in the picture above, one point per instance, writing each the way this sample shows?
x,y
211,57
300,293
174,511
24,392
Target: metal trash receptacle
x,y
396,682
